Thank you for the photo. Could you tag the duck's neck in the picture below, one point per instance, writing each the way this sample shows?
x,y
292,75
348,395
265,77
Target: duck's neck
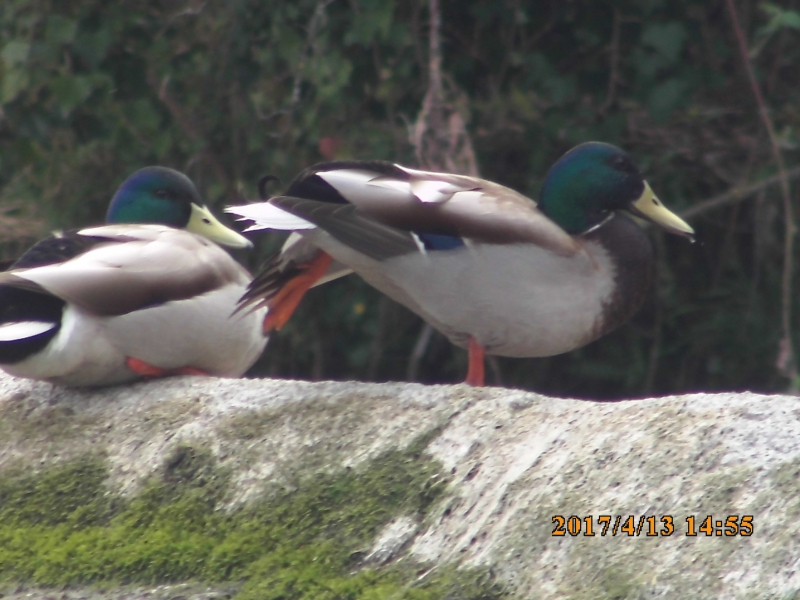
x,y
574,204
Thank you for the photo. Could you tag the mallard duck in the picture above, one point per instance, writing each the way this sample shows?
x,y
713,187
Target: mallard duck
x,y
483,264
127,300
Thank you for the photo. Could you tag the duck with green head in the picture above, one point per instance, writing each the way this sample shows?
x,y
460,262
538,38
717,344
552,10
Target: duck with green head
x,y
149,294
485,265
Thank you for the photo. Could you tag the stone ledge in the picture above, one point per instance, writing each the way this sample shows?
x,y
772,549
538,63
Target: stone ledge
x,y
513,461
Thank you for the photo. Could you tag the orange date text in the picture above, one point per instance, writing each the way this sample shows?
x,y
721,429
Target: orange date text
x,y
651,525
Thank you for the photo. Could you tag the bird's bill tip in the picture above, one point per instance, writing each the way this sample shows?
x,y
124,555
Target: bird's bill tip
x,y
202,222
649,207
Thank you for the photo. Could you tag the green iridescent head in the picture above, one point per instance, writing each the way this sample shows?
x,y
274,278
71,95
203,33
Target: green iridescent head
x,y
166,197
595,179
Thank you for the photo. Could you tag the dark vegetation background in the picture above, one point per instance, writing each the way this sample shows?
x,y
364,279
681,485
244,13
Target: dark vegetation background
x,y
228,91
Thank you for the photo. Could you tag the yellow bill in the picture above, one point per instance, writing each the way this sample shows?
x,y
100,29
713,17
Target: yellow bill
x,y
202,222
649,207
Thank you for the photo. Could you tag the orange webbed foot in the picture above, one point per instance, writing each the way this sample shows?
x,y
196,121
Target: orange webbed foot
x,y
147,370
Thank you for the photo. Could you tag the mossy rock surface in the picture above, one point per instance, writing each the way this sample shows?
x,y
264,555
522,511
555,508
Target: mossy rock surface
x,y
206,488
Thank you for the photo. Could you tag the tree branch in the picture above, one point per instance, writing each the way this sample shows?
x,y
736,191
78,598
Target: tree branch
x,y
613,76
786,361
738,194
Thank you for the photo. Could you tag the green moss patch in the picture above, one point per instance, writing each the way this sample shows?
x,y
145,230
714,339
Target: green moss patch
x,y
63,527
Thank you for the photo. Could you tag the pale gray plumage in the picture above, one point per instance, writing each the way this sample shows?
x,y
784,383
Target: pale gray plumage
x,y
161,295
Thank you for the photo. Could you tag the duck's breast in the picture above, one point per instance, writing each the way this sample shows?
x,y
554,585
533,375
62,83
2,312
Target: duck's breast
x,y
515,300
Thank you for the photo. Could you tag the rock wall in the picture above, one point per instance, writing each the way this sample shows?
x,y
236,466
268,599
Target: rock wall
x,y
453,490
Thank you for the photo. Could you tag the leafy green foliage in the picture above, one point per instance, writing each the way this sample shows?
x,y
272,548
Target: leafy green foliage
x,y
230,91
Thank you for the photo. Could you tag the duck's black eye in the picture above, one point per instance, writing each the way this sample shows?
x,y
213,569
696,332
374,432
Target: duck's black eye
x,y
162,193
623,164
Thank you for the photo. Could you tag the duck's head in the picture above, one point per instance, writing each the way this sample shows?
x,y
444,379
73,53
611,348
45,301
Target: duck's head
x,y
166,197
593,180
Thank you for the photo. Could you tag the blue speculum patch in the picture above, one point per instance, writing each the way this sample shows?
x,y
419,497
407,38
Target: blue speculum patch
x,y
434,241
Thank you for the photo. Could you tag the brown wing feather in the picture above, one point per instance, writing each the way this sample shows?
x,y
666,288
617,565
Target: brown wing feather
x,y
479,210
143,266
345,223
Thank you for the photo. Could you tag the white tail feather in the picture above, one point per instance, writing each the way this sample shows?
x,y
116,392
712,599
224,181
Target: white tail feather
x,y
268,216
20,330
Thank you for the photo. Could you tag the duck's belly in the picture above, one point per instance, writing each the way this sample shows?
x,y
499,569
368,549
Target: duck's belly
x,y
198,333
515,300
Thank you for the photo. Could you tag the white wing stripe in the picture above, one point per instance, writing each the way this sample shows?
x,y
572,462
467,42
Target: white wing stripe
x,y
269,216
21,330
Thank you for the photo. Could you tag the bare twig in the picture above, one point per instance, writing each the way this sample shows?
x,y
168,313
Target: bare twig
x,y
430,117
654,356
738,194
188,11
317,22
189,127
439,136
786,360
759,234
510,35
378,344
441,142
417,354
497,372
613,76
435,49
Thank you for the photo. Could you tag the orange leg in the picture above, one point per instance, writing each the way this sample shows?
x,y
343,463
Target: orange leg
x,y
142,368
286,300
147,370
475,374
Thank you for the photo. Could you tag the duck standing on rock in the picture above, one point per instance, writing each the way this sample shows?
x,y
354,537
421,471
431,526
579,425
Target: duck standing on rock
x,y
483,264
149,294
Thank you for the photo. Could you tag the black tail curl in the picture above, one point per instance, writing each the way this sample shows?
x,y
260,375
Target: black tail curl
x,y
262,185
